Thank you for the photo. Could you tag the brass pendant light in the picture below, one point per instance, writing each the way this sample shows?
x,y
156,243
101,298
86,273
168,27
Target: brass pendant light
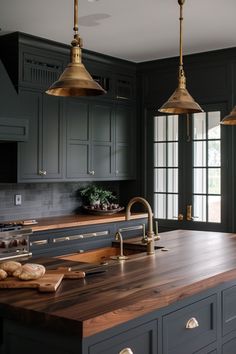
x,y
75,80
230,119
181,102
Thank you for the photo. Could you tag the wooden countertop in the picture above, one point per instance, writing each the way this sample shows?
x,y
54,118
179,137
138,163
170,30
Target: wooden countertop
x,y
60,222
195,262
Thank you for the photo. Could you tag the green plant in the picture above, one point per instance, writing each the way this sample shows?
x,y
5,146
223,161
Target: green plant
x,y
94,194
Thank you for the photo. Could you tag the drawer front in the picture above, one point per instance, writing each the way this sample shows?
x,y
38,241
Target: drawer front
x,y
139,340
201,316
229,310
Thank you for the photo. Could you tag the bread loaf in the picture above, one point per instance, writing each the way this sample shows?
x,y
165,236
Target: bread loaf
x,y
3,274
10,267
30,271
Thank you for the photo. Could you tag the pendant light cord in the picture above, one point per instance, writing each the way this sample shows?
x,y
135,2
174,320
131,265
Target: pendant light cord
x,y
76,16
182,80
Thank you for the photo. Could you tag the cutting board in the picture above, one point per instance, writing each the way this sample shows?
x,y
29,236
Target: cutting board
x,y
48,283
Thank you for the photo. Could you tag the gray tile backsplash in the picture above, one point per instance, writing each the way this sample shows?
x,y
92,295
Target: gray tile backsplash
x,y
42,199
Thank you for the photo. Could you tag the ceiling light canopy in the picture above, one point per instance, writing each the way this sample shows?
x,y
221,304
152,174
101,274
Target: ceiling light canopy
x,y
181,102
230,119
75,80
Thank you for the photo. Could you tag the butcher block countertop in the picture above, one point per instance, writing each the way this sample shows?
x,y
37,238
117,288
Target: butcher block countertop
x,y
60,222
195,261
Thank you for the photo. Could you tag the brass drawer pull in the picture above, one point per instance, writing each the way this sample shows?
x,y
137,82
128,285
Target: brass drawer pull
x,y
192,323
38,243
81,236
126,351
42,172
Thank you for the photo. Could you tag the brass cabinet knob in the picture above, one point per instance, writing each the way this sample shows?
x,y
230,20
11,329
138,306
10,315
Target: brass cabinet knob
x,y
91,173
180,217
192,323
117,172
42,172
126,351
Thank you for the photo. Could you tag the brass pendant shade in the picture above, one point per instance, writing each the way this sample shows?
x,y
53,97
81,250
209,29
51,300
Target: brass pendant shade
x,y
181,102
75,80
230,119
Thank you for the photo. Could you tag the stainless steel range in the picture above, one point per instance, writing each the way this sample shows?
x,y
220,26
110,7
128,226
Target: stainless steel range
x,y
14,241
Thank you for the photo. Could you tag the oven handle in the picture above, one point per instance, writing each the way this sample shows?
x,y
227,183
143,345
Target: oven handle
x,y
27,254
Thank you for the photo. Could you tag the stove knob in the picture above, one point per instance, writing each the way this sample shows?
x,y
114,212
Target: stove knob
x,y
24,242
2,244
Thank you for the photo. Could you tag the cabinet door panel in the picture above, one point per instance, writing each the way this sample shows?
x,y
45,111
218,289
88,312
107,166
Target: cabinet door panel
x,y
29,153
229,347
229,310
101,123
141,340
77,145
52,137
102,164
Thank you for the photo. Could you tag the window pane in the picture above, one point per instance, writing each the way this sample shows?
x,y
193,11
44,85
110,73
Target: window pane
x,y
160,128
199,180
199,207
199,154
214,209
214,125
159,155
199,126
172,212
172,128
172,154
172,180
214,153
160,206
160,180
214,181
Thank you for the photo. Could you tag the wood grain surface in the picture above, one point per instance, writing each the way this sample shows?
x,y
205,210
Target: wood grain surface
x,y
59,222
195,262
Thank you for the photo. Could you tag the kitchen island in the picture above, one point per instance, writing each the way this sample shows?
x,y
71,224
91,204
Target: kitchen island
x,y
144,303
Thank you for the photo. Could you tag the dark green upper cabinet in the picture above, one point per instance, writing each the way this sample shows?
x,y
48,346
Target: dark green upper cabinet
x,y
40,158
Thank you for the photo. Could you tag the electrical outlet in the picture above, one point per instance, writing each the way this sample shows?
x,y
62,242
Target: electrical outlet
x,y
18,199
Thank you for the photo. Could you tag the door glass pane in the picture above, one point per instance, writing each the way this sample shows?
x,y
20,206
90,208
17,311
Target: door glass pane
x,y
214,153
172,154
199,178
160,205
199,211
160,155
160,180
160,128
199,126
214,181
172,212
172,180
172,128
214,208
214,125
199,154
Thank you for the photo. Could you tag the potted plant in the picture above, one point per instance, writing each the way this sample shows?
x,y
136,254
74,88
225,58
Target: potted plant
x,y
98,198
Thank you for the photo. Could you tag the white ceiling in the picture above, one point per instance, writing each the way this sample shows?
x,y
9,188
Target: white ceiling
x,y
136,30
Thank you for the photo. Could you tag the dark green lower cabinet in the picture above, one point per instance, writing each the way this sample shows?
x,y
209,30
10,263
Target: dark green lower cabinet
x,y
140,340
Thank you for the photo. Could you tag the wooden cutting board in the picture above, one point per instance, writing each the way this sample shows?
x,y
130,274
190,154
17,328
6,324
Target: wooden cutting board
x,y
48,283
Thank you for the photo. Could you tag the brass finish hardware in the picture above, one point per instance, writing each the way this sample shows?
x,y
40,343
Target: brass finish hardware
x,y
80,236
126,351
132,228
189,213
230,119
122,97
75,80
42,172
38,243
180,217
150,234
192,323
181,102
92,173
121,256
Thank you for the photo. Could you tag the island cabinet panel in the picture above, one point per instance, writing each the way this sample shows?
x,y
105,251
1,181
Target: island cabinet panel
x,y
140,340
179,339
40,158
229,310
71,240
229,347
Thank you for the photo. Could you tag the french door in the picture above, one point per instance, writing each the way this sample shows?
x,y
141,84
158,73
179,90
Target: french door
x,y
188,170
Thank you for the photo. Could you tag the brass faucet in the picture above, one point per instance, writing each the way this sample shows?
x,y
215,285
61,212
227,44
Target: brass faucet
x,y
150,234
121,256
